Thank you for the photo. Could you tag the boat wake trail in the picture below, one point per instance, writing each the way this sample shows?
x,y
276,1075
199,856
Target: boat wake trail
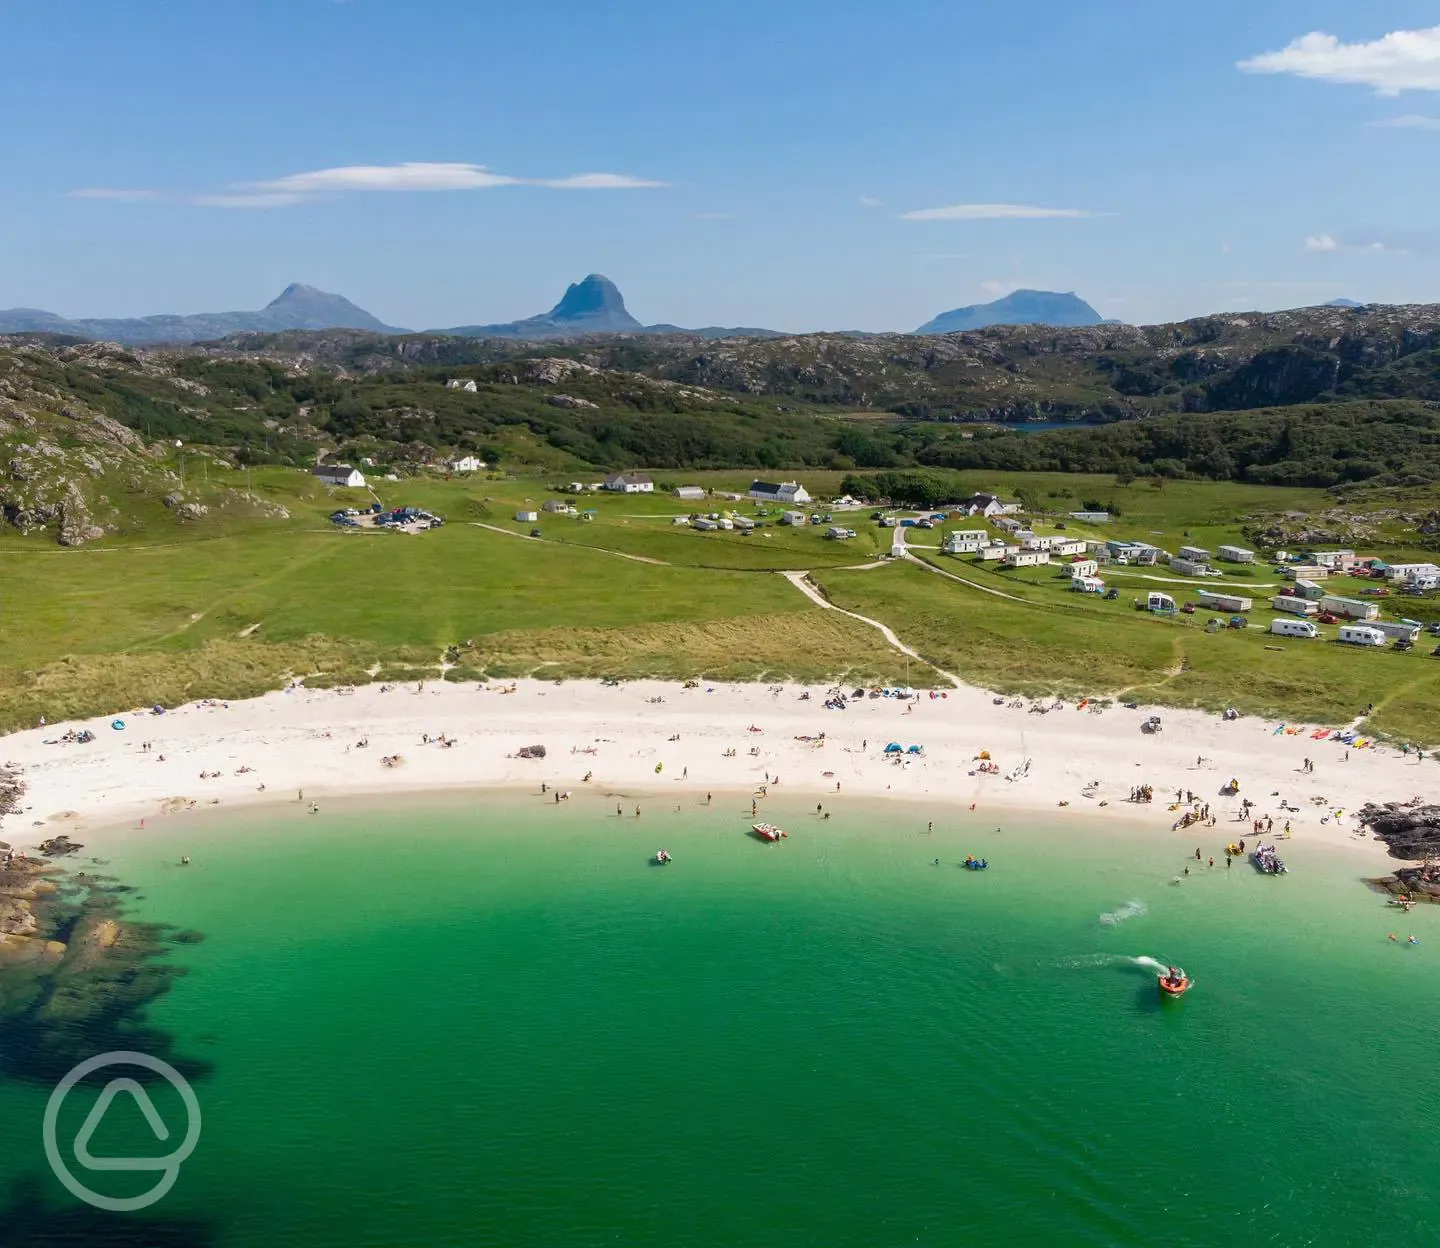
x,y
1150,964
1085,961
1126,910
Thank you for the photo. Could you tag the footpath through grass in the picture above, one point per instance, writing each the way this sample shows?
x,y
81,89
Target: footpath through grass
x,y
1035,647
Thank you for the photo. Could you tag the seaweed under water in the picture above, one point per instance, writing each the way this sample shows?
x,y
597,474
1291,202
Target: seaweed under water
x,y
29,1221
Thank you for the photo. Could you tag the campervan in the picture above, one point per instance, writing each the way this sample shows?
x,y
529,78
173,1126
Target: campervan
x,y
1294,628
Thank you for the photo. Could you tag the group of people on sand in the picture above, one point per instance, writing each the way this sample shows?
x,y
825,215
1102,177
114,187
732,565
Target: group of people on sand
x,y
1142,793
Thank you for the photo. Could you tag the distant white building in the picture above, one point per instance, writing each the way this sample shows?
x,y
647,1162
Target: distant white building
x,y
458,383
984,505
964,543
779,492
341,475
466,463
630,483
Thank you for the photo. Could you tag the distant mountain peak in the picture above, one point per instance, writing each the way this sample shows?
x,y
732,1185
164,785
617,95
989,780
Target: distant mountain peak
x,y
1344,303
298,290
595,297
1019,307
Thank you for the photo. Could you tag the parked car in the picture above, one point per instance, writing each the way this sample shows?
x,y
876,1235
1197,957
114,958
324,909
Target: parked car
x,y
1326,617
1111,595
1404,643
535,533
1188,608
1435,629
1059,524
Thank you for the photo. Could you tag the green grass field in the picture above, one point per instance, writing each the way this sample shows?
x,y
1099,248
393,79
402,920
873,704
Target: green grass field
x,y
234,602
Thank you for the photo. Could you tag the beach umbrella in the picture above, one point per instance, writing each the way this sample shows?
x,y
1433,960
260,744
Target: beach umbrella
x,y
894,748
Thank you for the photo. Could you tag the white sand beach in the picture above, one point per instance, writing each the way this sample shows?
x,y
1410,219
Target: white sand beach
x,y
651,741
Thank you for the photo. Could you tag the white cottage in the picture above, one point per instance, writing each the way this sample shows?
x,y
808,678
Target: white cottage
x,y
341,475
629,483
779,492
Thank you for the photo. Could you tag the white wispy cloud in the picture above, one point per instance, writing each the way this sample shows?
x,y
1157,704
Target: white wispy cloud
x,y
117,193
1410,121
408,176
869,201
1329,243
993,212
593,182
1403,60
411,176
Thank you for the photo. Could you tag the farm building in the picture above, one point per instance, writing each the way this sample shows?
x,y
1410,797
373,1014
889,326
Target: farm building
x,y
465,463
796,518
690,493
339,475
1349,608
629,483
1235,554
1223,602
779,492
1294,604
527,517
1194,554
1019,558
1188,567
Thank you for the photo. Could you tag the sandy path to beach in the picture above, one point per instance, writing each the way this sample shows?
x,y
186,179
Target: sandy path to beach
x,y
303,740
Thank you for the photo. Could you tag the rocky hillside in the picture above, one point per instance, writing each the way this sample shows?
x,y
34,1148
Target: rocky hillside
x,y
1001,373
73,470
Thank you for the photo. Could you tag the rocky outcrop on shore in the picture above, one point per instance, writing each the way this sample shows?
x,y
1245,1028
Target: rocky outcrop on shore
x,y
1410,830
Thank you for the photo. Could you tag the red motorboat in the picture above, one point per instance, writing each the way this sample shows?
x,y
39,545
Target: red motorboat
x,y
1174,983
767,831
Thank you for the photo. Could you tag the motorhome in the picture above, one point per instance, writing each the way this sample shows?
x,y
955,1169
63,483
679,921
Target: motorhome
x,y
1294,628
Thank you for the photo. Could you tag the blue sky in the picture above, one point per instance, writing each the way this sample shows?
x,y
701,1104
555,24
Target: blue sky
x,y
758,163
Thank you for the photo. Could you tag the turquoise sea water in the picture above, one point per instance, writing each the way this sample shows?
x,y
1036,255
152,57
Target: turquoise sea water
x,y
495,1023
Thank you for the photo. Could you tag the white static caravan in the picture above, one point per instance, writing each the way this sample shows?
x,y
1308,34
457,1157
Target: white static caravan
x,y
797,519
1335,560
1306,572
1312,590
1398,630
1082,567
990,553
963,543
724,522
837,534
1037,541
1223,602
1235,554
1349,608
1402,572
706,526
1195,554
1294,605
1294,628
1188,567
1064,548
1361,635
1025,558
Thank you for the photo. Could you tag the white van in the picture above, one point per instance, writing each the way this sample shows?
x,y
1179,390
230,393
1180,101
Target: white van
x,y
1294,628
1361,635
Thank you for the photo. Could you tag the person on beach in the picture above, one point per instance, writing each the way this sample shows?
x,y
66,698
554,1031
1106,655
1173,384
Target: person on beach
x,y
709,797
637,812
930,827
618,811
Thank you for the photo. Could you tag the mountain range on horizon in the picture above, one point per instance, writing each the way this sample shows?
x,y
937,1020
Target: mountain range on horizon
x,y
593,305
